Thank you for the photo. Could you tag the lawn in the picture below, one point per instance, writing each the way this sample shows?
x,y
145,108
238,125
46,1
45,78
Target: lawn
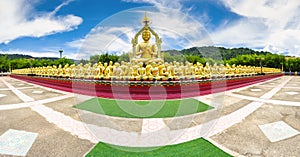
x,y
195,148
143,108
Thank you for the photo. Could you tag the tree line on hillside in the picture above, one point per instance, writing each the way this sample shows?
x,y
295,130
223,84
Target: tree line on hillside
x,y
210,54
218,53
253,58
7,64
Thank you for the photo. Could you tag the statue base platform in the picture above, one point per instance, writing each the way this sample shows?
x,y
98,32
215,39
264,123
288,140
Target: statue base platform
x,y
146,90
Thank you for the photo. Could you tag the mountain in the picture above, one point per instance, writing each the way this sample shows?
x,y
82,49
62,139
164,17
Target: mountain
x,y
218,53
18,56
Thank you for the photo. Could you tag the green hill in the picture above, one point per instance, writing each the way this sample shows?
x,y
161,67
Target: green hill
x,y
218,53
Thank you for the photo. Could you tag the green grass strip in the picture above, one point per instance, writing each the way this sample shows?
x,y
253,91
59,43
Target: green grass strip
x,y
143,108
195,148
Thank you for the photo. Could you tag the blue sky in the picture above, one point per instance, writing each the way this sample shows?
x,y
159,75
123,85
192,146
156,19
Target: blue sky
x,y
87,27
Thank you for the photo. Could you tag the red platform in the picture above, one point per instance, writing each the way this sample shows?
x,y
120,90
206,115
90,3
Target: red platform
x,y
145,90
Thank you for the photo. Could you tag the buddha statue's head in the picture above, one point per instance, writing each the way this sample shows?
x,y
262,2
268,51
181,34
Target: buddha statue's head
x,y
146,35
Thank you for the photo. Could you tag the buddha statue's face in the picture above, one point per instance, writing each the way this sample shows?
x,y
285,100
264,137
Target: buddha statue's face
x,y
146,35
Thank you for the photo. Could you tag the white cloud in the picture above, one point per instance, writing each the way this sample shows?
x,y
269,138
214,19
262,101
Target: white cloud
x,y
176,29
265,23
270,48
247,32
42,53
31,53
174,4
102,40
17,21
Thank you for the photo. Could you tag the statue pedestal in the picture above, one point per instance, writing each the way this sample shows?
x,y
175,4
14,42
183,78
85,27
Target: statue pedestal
x,y
144,90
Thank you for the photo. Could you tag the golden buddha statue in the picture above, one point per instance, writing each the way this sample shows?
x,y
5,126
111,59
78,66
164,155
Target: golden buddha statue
x,y
179,71
49,71
228,70
148,72
207,70
126,70
134,72
214,70
199,70
59,71
66,71
87,71
107,72
54,71
221,70
162,71
190,70
99,71
142,71
145,51
95,70
79,71
233,70
155,73
238,70
117,71
171,72
72,71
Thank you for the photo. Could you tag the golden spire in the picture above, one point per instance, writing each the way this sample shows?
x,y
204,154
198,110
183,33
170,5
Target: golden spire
x,y
146,20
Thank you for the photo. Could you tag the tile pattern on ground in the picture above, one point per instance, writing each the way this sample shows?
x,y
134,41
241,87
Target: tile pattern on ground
x,y
247,139
37,92
292,93
10,98
255,90
287,94
15,142
51,140
278,131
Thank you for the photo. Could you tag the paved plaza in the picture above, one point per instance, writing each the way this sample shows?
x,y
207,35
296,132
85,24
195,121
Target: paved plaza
x,y
258,120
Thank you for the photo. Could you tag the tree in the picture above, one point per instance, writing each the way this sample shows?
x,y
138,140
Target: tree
x,y
195,59
4,65
104,58
124,57
83,61
94,59
63,61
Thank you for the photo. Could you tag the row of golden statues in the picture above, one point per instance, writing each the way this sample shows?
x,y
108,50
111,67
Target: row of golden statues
x,y
141,71
146,63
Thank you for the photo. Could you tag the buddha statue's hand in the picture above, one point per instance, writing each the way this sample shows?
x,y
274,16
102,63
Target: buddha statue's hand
x,y
138,53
